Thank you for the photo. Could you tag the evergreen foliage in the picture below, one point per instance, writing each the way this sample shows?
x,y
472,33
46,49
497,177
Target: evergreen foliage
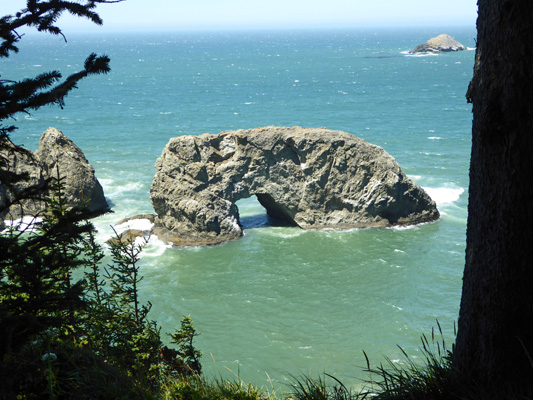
x,y
61,337
37,292
48,87
186,360
56,327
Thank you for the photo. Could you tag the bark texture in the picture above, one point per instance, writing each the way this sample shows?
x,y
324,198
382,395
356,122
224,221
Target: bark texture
x,y
495,330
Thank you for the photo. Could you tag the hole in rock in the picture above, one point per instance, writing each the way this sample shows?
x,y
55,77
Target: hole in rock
x,y
253,215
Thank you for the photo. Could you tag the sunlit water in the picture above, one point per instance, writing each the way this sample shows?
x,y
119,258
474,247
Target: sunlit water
x,y
280,301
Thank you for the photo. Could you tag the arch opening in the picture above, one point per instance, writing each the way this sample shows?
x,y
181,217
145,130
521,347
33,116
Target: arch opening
x,y
254,214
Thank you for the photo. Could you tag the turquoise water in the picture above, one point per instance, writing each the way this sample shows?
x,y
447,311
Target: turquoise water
x,y
280,301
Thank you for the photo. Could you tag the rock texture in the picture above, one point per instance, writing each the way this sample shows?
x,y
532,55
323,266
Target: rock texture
x,y
22,177
439,44
312,178
55,155
61,156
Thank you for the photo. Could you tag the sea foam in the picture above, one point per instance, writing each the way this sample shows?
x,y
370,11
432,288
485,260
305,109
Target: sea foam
x,y
152,245
22,224
141,224
444,195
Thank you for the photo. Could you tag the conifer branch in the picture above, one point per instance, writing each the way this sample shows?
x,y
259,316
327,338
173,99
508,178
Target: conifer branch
x,y
47,88
42,15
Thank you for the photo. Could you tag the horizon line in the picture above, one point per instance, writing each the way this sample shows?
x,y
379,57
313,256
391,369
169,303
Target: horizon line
x,y
148,30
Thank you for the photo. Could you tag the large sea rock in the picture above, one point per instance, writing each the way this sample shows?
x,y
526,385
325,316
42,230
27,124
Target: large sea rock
x,y
56,156
311,178
439,44
61,157
22,177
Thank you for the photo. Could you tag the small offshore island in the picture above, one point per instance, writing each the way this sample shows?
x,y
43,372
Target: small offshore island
x,y
440,44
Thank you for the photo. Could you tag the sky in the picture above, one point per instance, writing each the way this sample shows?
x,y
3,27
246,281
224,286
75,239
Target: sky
x,y
150,15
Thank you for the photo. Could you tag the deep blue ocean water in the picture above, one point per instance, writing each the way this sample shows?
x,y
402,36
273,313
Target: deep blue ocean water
x,y
279,301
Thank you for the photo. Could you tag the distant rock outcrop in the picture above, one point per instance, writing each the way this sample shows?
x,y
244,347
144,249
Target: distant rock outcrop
x,y
439,44
55,155
311,178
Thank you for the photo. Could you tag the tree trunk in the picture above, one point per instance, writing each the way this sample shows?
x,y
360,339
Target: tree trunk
x,y
495,329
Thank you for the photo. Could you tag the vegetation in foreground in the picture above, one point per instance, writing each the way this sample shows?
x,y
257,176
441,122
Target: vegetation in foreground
x,y
61,336
93,339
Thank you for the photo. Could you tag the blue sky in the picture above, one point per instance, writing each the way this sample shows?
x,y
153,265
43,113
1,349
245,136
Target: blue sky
x,y
145,15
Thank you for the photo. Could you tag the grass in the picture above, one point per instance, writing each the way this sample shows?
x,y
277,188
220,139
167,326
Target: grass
x,y
197,388
430,377
409,379
308,388
77,373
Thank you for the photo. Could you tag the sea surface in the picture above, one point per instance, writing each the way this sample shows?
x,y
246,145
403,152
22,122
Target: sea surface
x,y
280,301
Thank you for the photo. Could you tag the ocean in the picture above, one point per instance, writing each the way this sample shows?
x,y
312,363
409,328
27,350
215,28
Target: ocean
x,y
279,302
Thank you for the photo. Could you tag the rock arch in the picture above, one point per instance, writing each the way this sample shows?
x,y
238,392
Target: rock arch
x,y
312,178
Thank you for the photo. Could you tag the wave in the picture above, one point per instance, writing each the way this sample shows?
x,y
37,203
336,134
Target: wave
x,y
141,224
406,53
22,224
283,232
112,190
444,195
155,247
152,248
420,54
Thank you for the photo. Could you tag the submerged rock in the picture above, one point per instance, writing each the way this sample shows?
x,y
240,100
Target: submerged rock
x,y
56,156
311,178
131,229
439,44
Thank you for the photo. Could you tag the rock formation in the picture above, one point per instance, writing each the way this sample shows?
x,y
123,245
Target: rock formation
x,y
22,177
60,155
311,178
56,154
439,44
